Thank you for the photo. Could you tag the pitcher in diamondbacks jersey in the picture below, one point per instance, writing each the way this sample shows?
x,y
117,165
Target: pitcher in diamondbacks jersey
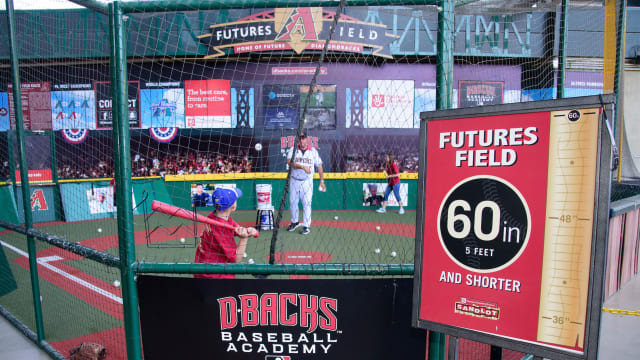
x,y
301,183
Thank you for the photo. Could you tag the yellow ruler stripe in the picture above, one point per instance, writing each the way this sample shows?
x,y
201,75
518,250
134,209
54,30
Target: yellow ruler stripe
x,y
568,228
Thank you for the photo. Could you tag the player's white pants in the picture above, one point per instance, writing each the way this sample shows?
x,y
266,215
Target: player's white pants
x,y
301,190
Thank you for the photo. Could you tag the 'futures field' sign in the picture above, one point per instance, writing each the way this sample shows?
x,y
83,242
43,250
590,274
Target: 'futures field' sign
x,y
508,226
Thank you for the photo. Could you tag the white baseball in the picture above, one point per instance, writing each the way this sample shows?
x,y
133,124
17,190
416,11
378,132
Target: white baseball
x,y
99,229
377,227
393,253
258,146
335,218
182,240
377,250
116,283
250,261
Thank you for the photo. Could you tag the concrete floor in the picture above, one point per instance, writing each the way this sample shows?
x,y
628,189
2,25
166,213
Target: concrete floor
x,y
619,334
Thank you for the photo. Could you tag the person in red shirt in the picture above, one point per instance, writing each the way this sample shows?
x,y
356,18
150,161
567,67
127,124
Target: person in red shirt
x,y
217,244
393,184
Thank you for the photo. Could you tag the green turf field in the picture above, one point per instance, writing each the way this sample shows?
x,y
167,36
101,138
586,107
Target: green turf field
x,y
80,297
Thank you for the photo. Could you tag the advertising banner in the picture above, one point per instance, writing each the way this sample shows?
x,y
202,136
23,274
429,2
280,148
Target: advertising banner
x,y
43,206
36,105
100,200
297,29
322,96
73,106
278,319
281,96
162,105
208,103
5,123
478,93
373,194
509,218
390,104
104,111
202,194
281,118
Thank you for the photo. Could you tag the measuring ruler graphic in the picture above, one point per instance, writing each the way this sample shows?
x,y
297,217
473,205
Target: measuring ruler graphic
x,y
571,181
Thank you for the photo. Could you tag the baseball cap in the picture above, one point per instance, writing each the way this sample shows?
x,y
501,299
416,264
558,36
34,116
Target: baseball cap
x,y
225,198
302,135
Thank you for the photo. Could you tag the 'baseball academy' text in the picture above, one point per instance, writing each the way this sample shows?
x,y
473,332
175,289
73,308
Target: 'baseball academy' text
x,y
501,141
302,315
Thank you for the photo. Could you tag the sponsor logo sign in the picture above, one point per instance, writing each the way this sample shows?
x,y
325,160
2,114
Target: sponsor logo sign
x,y
297,29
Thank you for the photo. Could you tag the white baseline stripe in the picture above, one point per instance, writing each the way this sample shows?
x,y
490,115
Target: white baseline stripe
x,y
44,262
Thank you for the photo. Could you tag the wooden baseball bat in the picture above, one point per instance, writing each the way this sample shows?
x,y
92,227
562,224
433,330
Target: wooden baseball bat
x,y
172,210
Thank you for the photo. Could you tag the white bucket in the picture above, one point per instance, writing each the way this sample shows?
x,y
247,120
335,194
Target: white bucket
x,y
263,196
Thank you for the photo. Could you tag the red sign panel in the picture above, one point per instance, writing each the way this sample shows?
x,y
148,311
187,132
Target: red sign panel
x,y
508,221
37,176
208,103
36,105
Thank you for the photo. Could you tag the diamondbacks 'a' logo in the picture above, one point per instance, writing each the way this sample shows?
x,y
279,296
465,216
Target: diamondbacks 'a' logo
x,y
38,202
377,100
298,25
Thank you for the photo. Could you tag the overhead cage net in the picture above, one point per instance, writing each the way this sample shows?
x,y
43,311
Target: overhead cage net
x,y
220,92
299,119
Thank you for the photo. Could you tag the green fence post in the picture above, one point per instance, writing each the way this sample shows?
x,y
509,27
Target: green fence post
x,y
562,50
444,100
620,53
126,244
22,158
444,58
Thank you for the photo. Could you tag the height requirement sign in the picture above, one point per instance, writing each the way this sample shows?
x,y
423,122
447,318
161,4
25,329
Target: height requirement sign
x,y
509,207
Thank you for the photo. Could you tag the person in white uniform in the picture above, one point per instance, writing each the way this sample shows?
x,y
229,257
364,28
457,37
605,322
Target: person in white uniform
x,y
301,183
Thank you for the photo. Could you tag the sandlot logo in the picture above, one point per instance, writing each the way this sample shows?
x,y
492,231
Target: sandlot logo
x,y
477,308
279,324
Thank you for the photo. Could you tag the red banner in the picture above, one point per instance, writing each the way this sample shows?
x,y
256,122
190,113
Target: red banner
x,y
37,176
208,103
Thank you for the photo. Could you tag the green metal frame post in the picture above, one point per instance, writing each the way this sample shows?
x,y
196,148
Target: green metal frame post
x,y
562,50
126,244
444,61
444,100
620,53
24,171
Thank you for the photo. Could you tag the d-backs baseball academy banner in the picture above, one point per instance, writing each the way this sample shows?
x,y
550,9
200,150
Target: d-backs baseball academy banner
x,y
186,318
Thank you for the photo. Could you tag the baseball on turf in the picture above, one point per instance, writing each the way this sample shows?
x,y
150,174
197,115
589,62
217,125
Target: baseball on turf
x,y
250,261
258,147
335,218
99,229
377,250
182,240
116,283
393,253
377,227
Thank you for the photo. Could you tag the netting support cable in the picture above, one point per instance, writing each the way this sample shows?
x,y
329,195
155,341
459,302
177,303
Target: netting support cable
x,y
274,269
95,5
22,158
285,191
123,182
44,345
